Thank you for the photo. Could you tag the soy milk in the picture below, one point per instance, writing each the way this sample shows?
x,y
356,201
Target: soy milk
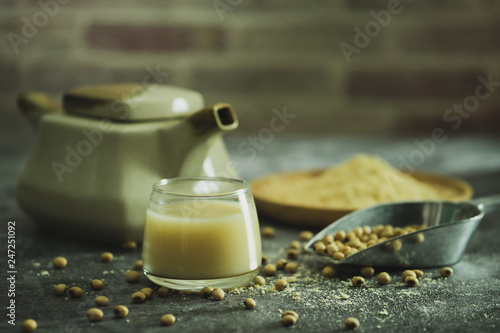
x,y
218,239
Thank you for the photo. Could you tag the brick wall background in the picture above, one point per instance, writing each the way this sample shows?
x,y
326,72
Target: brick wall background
x,y
259,55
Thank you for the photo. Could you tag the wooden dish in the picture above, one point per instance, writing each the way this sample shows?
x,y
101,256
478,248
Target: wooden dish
x,y
319,217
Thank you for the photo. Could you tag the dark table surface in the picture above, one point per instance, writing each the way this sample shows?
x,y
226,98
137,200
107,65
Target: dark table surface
x,y
469,301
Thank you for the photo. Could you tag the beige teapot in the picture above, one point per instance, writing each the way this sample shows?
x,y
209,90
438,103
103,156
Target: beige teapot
x,y
94,161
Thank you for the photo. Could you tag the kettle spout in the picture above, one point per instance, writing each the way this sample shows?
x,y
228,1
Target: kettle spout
x,y
204,153
216,118
34,105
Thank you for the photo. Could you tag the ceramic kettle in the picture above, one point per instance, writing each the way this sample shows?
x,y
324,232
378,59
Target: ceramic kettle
x,y
95,159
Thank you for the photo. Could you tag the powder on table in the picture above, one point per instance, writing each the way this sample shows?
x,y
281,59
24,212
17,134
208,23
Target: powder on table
x,y
361,181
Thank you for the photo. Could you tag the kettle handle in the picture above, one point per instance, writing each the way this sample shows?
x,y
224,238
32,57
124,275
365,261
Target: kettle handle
x,y
33,105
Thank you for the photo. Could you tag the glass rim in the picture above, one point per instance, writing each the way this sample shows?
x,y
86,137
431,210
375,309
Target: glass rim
x,y
166,181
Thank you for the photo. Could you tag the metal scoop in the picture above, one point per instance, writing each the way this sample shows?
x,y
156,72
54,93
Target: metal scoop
x,y
449,227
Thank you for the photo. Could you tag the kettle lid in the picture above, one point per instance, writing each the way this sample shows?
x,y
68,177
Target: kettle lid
x,y
132,102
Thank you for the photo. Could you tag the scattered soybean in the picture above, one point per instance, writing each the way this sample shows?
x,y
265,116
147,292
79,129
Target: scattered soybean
x,y
60,289
383,278
446,271
120,311
270,269
167,319
29,325
129,245
367,271
280,284
306,235
249,303
132,276
96,284
101,300
351,323
218,294
75,292
163,291
291,267
357,281
107,257
59,262
138,297
411,281
206,292
329,272
138,264
147,291
268,232
259,281
95,314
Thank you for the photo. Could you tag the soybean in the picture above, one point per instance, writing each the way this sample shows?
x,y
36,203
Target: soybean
x,y
290,313
291,267
446,271
367,271
259,280
281,264
147,291
59,262
338,255
395,246
264,259
327,239
138,264
383,278
408,273
331,249
101,300
120,311
340,235
163,291
206,292
268,232
292,254
129,245
106,257
29,325
306,235
60,289
249,303
75,292
138,297
270,269
358,281
96,284
218,294
132,276
94,314
319,248
419,273
167,319
280,284
295,245
289,320
329,272
411,281
351,323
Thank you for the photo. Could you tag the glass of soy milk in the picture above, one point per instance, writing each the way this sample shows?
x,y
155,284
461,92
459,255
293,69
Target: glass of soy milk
x,y
201,232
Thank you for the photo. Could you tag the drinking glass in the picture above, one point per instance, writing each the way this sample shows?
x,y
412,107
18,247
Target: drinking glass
x,y
201,232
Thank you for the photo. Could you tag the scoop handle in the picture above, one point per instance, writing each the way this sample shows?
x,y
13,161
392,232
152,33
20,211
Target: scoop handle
x,y
489,204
